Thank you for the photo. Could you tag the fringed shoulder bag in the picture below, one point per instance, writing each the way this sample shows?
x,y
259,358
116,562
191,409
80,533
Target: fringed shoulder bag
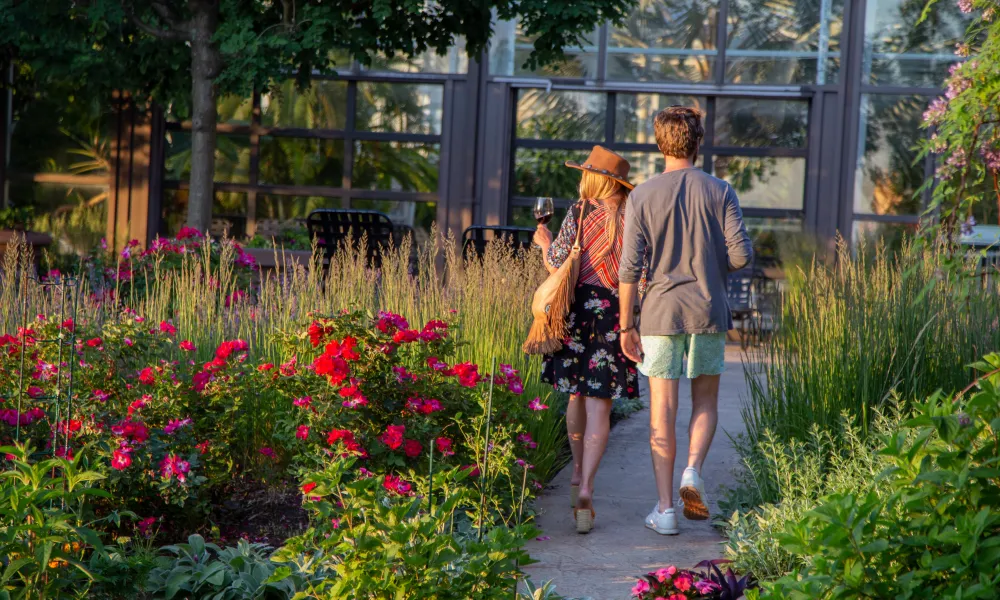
x,y
551,302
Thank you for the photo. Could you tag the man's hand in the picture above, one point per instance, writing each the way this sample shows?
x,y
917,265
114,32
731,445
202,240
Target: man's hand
x,y
632,345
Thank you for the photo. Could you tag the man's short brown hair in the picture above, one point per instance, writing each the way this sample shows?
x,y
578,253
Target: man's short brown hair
x,y
678,131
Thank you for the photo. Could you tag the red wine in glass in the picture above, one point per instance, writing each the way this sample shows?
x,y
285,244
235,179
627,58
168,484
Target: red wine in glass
x,y
543,210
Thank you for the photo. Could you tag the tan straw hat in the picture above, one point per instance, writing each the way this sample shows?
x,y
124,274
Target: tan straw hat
x,y
605,162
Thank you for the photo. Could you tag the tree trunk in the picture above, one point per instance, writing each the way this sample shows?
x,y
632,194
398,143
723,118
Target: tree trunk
x,y
205,65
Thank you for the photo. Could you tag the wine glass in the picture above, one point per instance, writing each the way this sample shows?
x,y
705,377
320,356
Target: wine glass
x,y
543,210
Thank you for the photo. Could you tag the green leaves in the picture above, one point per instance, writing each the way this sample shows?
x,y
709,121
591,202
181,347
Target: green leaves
x,y
936,535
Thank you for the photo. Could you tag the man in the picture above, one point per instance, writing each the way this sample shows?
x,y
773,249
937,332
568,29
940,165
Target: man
x,y
689,227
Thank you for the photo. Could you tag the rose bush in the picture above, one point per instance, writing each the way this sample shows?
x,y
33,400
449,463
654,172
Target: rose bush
x,y
166,419
128,273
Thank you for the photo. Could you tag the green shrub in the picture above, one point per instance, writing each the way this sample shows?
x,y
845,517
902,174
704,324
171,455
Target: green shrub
x,y
199,570
43,533
854,335
800,473
383,542
935,534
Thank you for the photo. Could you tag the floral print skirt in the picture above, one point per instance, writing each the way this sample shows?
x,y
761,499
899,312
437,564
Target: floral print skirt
x,y
591,362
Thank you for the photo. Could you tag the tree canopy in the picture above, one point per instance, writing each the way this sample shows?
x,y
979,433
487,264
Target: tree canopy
x,y
188,52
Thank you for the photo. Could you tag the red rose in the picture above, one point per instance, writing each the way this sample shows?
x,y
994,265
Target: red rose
x,y
120,460
147,377
412,448
393,436
443,446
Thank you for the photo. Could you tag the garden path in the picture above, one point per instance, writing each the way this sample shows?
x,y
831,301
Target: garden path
x,y
603,565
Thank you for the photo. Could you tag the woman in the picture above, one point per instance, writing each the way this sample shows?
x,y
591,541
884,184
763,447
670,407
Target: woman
x,y
591,366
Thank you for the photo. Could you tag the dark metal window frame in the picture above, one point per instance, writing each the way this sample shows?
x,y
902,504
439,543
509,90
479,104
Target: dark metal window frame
x,y
708,150
348,135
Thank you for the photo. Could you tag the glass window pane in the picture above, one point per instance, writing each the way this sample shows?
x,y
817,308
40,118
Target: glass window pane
x,y
56,135
74,215
871,233
510,48
777,240
396,166
886,179
235,110
576,116
301,161
544,173
454,61
634,114
229,213
232,109
322,106
523,216
761,123
284,211
764,182
646,165
666,40
232,157
399,107
900,52
407,217
783,42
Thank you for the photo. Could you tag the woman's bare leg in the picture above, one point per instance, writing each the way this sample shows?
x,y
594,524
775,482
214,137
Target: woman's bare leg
x,y
576,425
595,440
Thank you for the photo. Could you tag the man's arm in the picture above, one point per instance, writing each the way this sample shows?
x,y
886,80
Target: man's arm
x,y
629,272
633,245
738,244
629,335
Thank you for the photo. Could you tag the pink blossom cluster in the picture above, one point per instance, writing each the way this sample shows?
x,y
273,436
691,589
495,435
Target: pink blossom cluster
x,y
423,406
991,156
957,82
176,424
171,466
11,417
936,111
509,378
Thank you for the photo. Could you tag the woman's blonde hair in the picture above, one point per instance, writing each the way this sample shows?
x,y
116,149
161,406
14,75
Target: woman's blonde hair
x,y
599,187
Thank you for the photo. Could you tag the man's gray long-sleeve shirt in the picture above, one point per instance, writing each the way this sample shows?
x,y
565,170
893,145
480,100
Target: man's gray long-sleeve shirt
x,y
690,226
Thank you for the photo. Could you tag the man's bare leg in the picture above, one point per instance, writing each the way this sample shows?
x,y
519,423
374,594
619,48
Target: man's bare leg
x,y
663,395
704,418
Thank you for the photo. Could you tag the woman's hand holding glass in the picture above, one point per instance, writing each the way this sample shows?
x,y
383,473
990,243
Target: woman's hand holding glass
x,y
542,237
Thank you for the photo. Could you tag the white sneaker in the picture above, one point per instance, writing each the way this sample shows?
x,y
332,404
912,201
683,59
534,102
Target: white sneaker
x,y
693,495
663,523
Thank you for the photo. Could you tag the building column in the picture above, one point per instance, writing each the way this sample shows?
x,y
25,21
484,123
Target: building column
x,y
129,216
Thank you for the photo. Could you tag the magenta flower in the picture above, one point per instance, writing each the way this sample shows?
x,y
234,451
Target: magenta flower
x,y
268,452
175,424
640,588
536,404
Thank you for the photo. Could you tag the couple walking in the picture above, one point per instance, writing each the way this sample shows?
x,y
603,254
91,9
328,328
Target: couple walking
x,y
667,244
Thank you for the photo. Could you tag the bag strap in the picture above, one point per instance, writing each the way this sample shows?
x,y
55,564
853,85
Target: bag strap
x,y
579,227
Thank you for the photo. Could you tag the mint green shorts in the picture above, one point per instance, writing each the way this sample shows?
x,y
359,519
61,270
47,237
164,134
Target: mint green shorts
x,y
664,355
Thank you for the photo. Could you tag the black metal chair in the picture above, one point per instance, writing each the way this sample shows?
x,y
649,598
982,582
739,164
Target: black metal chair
x,y
475,239
766,301
334,227
740,296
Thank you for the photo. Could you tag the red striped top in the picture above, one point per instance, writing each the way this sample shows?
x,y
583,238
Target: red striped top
x,y
595,269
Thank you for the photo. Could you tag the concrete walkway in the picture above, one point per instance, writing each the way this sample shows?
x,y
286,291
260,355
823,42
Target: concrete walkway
x,y
603,565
